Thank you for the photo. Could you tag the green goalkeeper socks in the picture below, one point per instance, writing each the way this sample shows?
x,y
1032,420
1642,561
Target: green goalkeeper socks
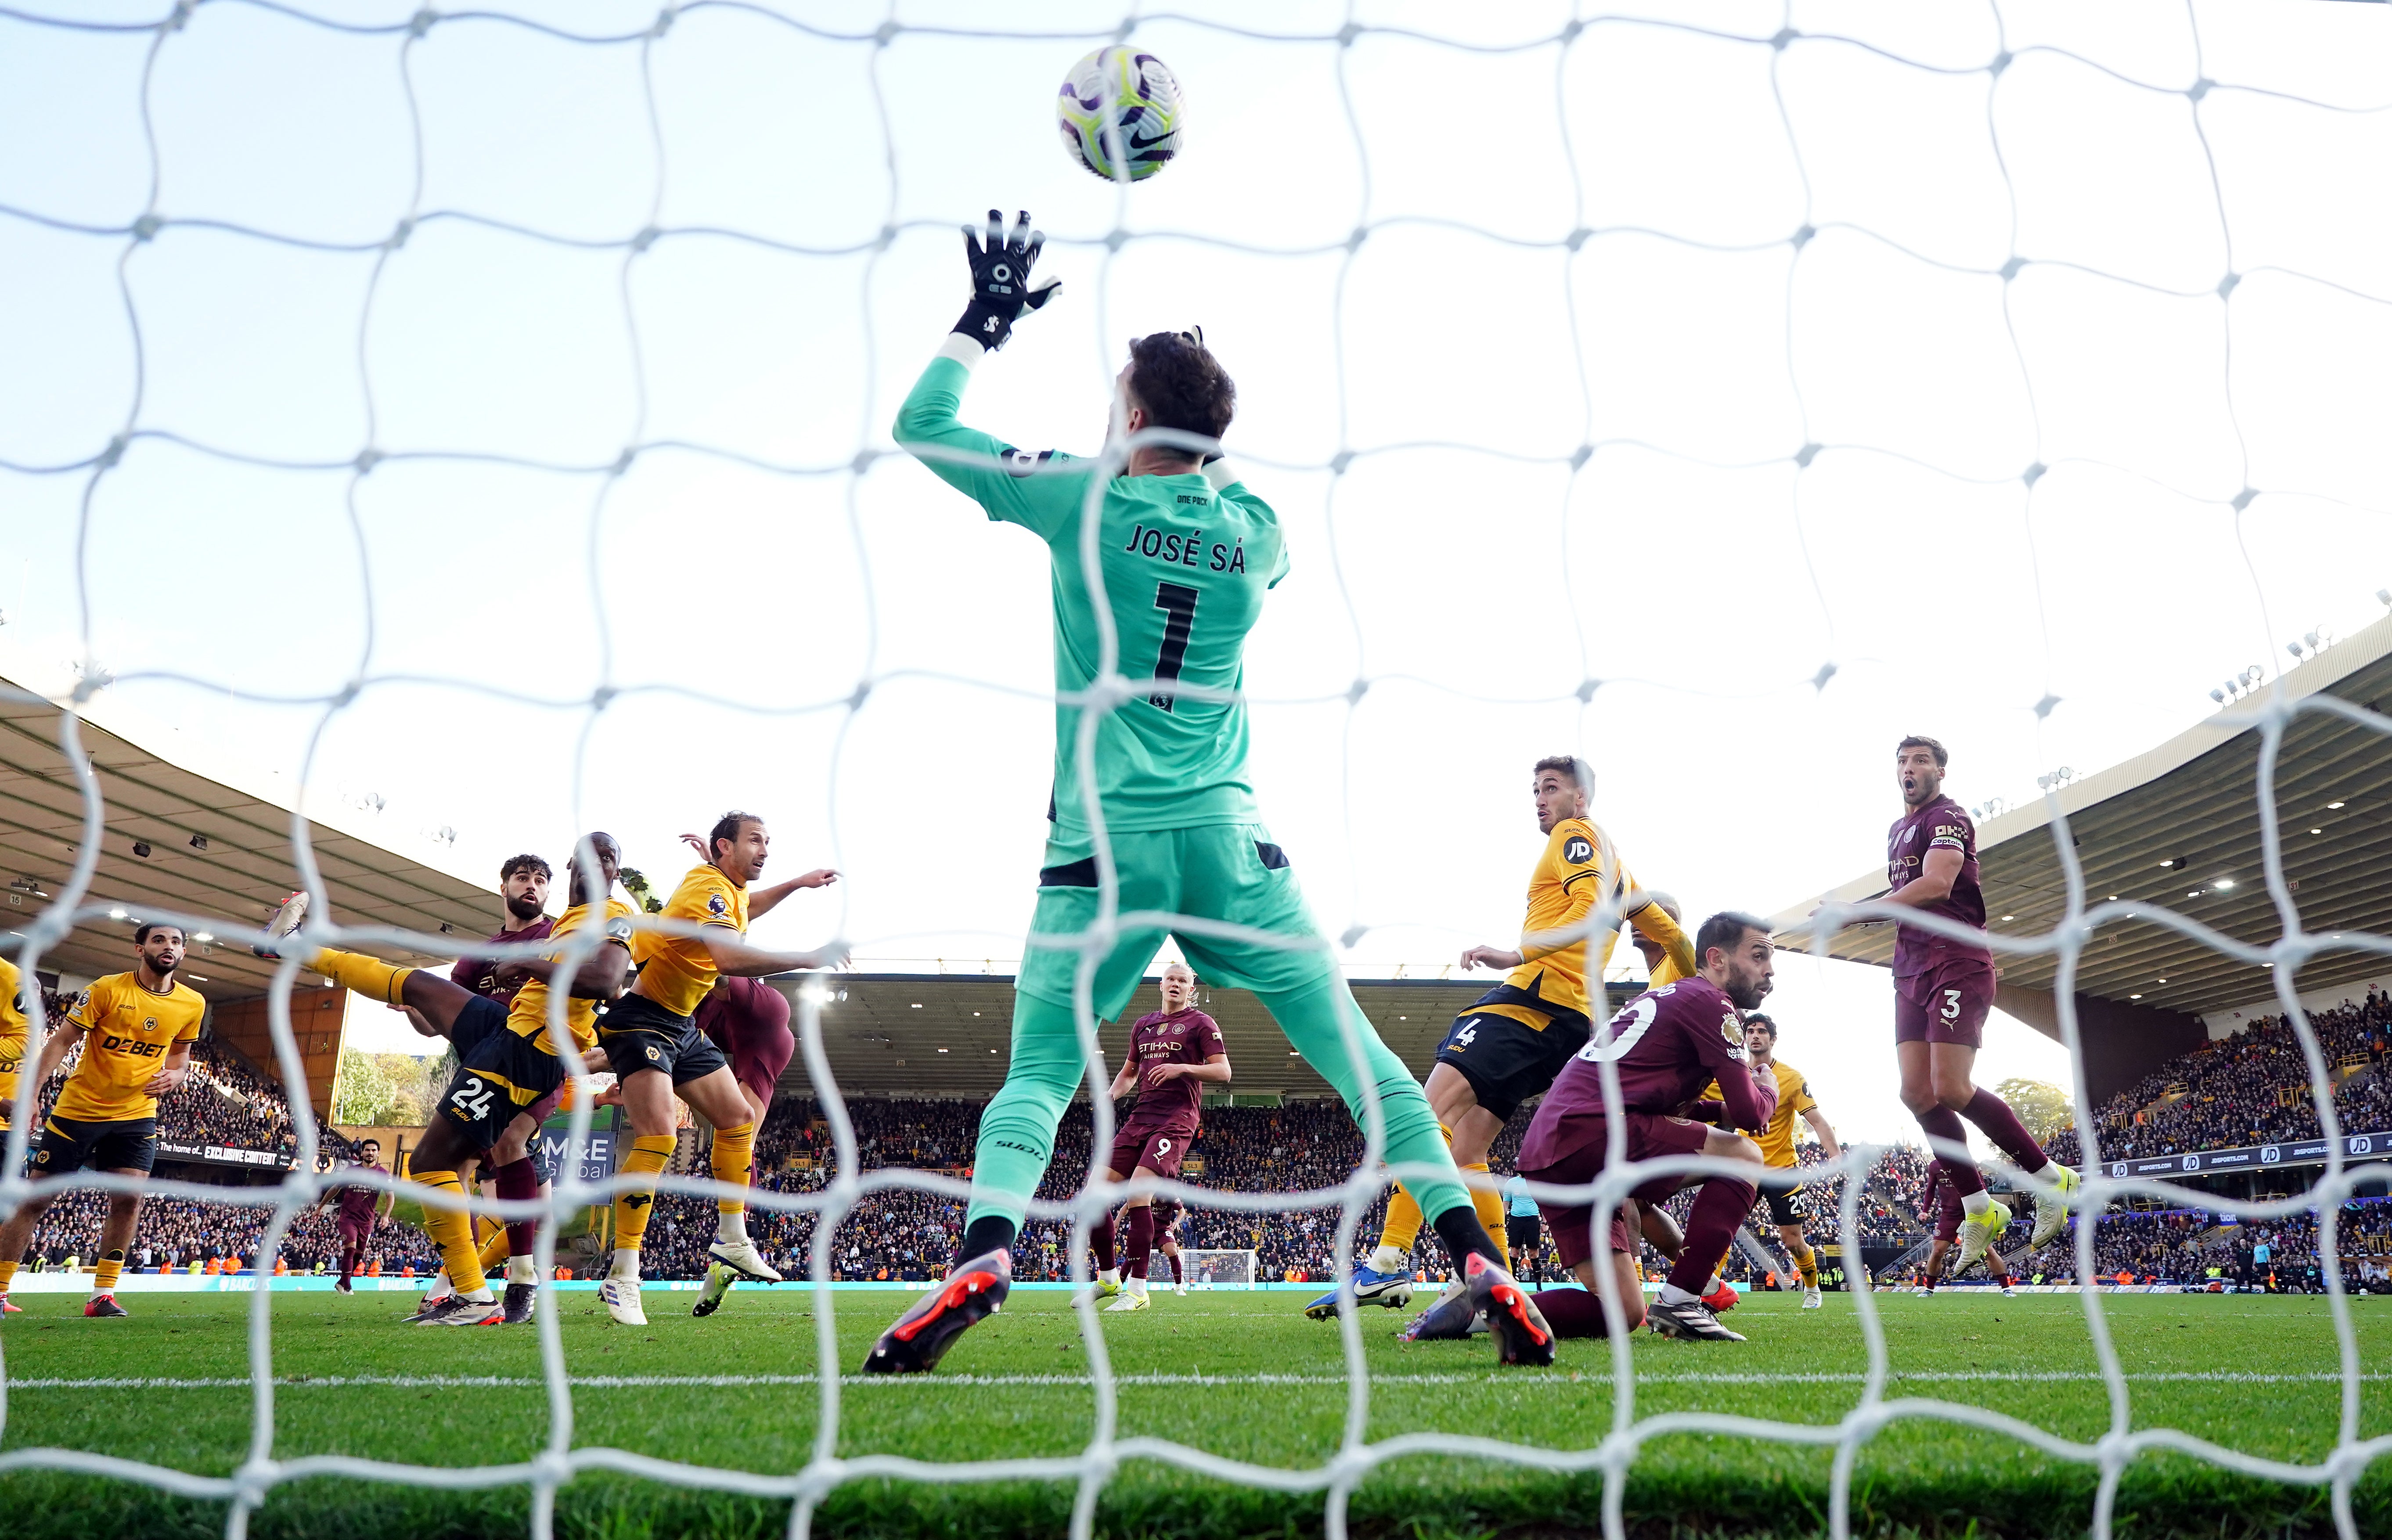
x,y
1016,1133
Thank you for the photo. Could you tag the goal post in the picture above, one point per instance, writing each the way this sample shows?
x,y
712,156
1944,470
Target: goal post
x,y
1220,1268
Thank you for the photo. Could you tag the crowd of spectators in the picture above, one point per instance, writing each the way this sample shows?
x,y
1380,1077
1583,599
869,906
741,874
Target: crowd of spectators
x,y
223,1100
1299,1146
176,1233
2252,1088
2194,1247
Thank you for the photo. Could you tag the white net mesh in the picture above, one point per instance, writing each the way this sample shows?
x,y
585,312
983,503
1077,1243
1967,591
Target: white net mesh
x,y
1591,439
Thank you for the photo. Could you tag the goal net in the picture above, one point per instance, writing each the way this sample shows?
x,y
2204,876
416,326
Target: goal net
x,y
482,418
1220,1268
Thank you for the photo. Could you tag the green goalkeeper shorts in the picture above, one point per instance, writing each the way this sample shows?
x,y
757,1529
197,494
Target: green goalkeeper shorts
x,y
1225,872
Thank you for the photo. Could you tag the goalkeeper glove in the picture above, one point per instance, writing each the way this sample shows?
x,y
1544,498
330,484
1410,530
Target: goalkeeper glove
x,y
1000,271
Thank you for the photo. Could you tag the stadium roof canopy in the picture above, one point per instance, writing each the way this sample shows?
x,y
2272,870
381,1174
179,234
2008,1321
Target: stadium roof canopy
x,y
212,848
2180,826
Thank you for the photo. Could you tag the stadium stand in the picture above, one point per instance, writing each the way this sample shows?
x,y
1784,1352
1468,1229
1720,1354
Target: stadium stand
x,y
2252,1088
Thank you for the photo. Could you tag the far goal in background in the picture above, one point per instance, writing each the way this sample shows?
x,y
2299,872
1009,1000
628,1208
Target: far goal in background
x,y
1220,1268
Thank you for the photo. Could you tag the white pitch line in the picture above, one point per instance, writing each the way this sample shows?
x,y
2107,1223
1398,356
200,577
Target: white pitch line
x,y
1508,1377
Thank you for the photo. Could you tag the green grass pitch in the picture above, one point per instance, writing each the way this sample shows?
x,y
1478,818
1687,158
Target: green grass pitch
x,y
1242,1375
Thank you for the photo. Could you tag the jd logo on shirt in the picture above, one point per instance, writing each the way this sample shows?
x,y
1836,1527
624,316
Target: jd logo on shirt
x,y
1577,850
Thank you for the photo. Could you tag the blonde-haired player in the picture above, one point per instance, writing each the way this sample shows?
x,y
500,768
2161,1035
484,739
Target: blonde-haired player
x,y
1783,1194
1510,1045
137,1029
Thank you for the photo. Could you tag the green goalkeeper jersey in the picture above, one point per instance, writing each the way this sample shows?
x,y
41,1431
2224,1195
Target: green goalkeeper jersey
x,y
1185,562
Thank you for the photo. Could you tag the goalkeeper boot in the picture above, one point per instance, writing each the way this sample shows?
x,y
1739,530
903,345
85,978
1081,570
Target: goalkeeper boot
x,y
2051,1208
104,1304
1690,1319
742,1258
1978,1231
1521,1334
922,1335
719,1280
287,919
1392,1290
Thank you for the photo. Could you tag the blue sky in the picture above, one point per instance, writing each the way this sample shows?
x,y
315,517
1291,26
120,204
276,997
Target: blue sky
x,y
1698,565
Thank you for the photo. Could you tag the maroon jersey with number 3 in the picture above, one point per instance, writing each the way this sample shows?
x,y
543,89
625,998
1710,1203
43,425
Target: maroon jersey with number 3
x,y
1940,825
1189,1037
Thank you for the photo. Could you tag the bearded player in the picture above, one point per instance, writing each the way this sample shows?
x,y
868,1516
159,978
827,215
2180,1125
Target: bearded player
x,y
1186,554
1782,1188
1943,989
1174,1052
136,1028
507,1064
1939,1205
358,1209
1667,1045
1507,1048
513,1166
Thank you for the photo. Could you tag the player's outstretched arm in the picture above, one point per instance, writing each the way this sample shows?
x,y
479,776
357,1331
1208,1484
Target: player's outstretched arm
x,y
1819,1121
601,977
1003,479
1654,924
738,958
762,901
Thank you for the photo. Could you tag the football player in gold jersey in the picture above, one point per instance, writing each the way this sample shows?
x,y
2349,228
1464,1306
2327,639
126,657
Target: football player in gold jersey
x,y
12,1056
656,1051
1783,1194
505,1066
137,1029
1509,1046
12,1037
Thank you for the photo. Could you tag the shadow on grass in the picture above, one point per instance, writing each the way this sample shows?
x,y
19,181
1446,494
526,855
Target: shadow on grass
x,y
2173,1497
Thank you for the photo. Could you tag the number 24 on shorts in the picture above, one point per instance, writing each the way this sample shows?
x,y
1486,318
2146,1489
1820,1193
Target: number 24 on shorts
x,y
472,1098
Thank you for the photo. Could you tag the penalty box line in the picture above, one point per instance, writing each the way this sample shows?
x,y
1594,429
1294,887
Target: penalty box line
x,y
1195,1380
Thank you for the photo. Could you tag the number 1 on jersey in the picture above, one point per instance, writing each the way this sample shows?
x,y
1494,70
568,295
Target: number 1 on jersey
x,y
1177,603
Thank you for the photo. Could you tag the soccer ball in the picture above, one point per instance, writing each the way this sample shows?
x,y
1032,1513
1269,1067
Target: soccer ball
x,y
1120,113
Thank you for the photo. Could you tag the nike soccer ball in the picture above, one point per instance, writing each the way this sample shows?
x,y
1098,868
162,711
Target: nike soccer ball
x,y
1120,113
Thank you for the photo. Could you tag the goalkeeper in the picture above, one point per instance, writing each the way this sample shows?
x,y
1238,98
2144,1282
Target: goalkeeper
x,y
1185,554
